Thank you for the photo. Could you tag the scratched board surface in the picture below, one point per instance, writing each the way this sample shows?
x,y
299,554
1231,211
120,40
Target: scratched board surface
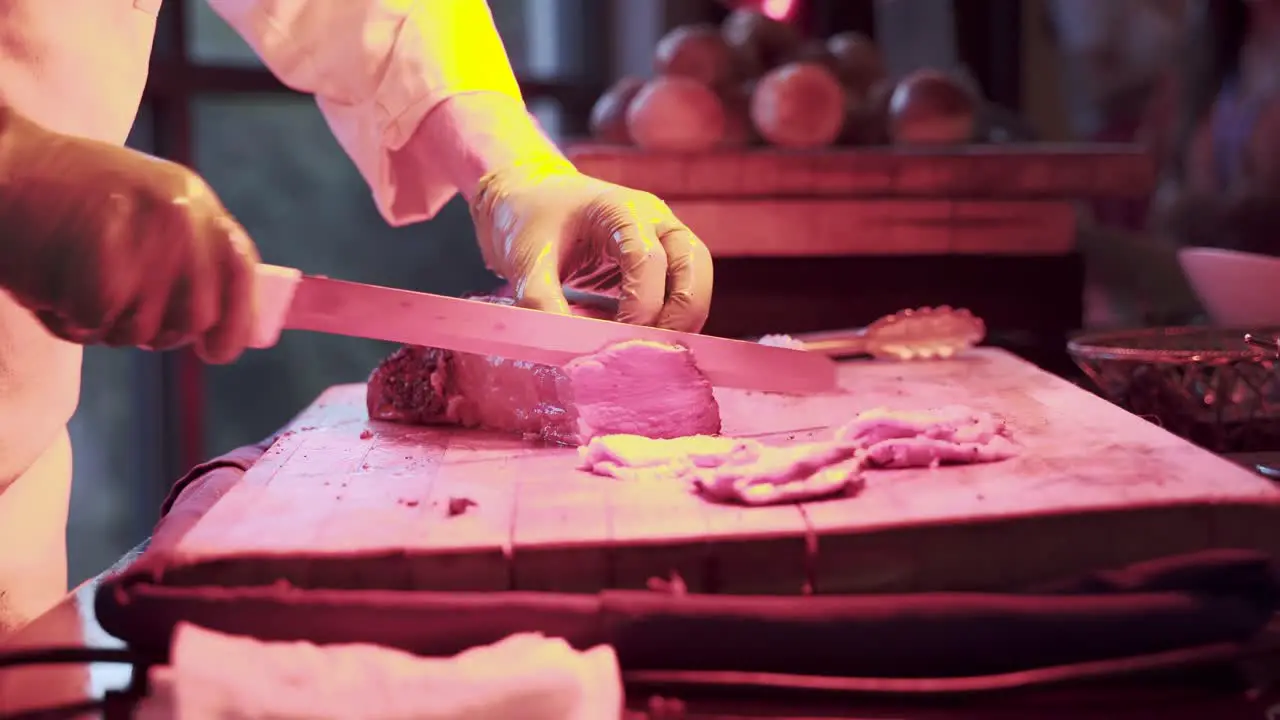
x,y
343,502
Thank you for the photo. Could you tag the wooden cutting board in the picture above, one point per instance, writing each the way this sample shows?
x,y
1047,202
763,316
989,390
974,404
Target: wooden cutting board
x,y
343,502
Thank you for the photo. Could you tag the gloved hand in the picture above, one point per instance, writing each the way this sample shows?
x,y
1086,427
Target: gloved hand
x,y
542,224
108,245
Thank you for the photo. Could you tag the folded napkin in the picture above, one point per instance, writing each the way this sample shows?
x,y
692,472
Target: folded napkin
x,y
528,676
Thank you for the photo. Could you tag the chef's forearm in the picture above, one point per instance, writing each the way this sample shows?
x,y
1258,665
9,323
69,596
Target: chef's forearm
x,y
378,69
474,134
481,123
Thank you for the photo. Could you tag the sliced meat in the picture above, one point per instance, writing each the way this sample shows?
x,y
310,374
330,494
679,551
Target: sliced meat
x,y
640,388
952,422
636,387
947,435
927,452
793,473
729,470
748,472
630,457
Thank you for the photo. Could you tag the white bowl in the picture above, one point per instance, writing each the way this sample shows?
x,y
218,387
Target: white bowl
x,y
1237,289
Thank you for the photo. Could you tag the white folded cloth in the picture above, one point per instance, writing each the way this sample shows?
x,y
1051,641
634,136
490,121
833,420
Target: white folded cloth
x,y
524,677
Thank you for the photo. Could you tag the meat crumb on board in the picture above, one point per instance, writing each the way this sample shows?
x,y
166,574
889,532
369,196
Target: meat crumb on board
x,y
671,585
729,469
459,505
749,472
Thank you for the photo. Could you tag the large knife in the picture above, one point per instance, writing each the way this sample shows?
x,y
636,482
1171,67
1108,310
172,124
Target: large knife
x,y
289,300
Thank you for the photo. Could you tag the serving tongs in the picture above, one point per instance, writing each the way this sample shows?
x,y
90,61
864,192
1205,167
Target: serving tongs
x,y
925,333
1266,342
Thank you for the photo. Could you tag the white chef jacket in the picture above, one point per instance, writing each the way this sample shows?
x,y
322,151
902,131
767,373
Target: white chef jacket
x,y
377,69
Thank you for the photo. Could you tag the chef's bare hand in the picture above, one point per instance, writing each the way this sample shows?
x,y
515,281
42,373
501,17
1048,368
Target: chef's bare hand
x,y
110,246
538,227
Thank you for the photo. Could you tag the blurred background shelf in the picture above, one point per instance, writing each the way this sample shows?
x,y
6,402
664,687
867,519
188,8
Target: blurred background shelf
x,y
823,239
1021,171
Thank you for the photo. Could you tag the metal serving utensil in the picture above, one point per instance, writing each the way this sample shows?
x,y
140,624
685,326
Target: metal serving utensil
x,y
925,333
916,334
1266,342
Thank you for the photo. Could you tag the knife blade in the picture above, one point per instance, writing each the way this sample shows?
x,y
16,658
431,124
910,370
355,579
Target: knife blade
x,y
289,300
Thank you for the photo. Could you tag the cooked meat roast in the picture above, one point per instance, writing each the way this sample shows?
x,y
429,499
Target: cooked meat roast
x,y
636,387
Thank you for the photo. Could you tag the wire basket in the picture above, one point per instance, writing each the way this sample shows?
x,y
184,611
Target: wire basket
x,y
1204,384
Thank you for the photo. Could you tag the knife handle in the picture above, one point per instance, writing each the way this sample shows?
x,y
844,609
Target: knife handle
x,y
605,304
275,286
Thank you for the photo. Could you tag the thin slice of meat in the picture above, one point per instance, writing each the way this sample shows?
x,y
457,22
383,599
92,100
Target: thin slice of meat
x,y
633,457
640,388
730,470
748,472
929,452
788,474
635,387
948,435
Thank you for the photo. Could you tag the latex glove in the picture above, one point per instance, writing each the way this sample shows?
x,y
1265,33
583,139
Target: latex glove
x,y
543,223
108,245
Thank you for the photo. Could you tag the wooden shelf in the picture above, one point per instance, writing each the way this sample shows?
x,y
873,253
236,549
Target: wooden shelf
x,y
1005,172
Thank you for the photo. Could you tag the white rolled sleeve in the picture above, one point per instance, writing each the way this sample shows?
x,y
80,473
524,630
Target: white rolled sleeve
x,y
378,69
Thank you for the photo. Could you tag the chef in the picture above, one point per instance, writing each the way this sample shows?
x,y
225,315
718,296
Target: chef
x,y
103,245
